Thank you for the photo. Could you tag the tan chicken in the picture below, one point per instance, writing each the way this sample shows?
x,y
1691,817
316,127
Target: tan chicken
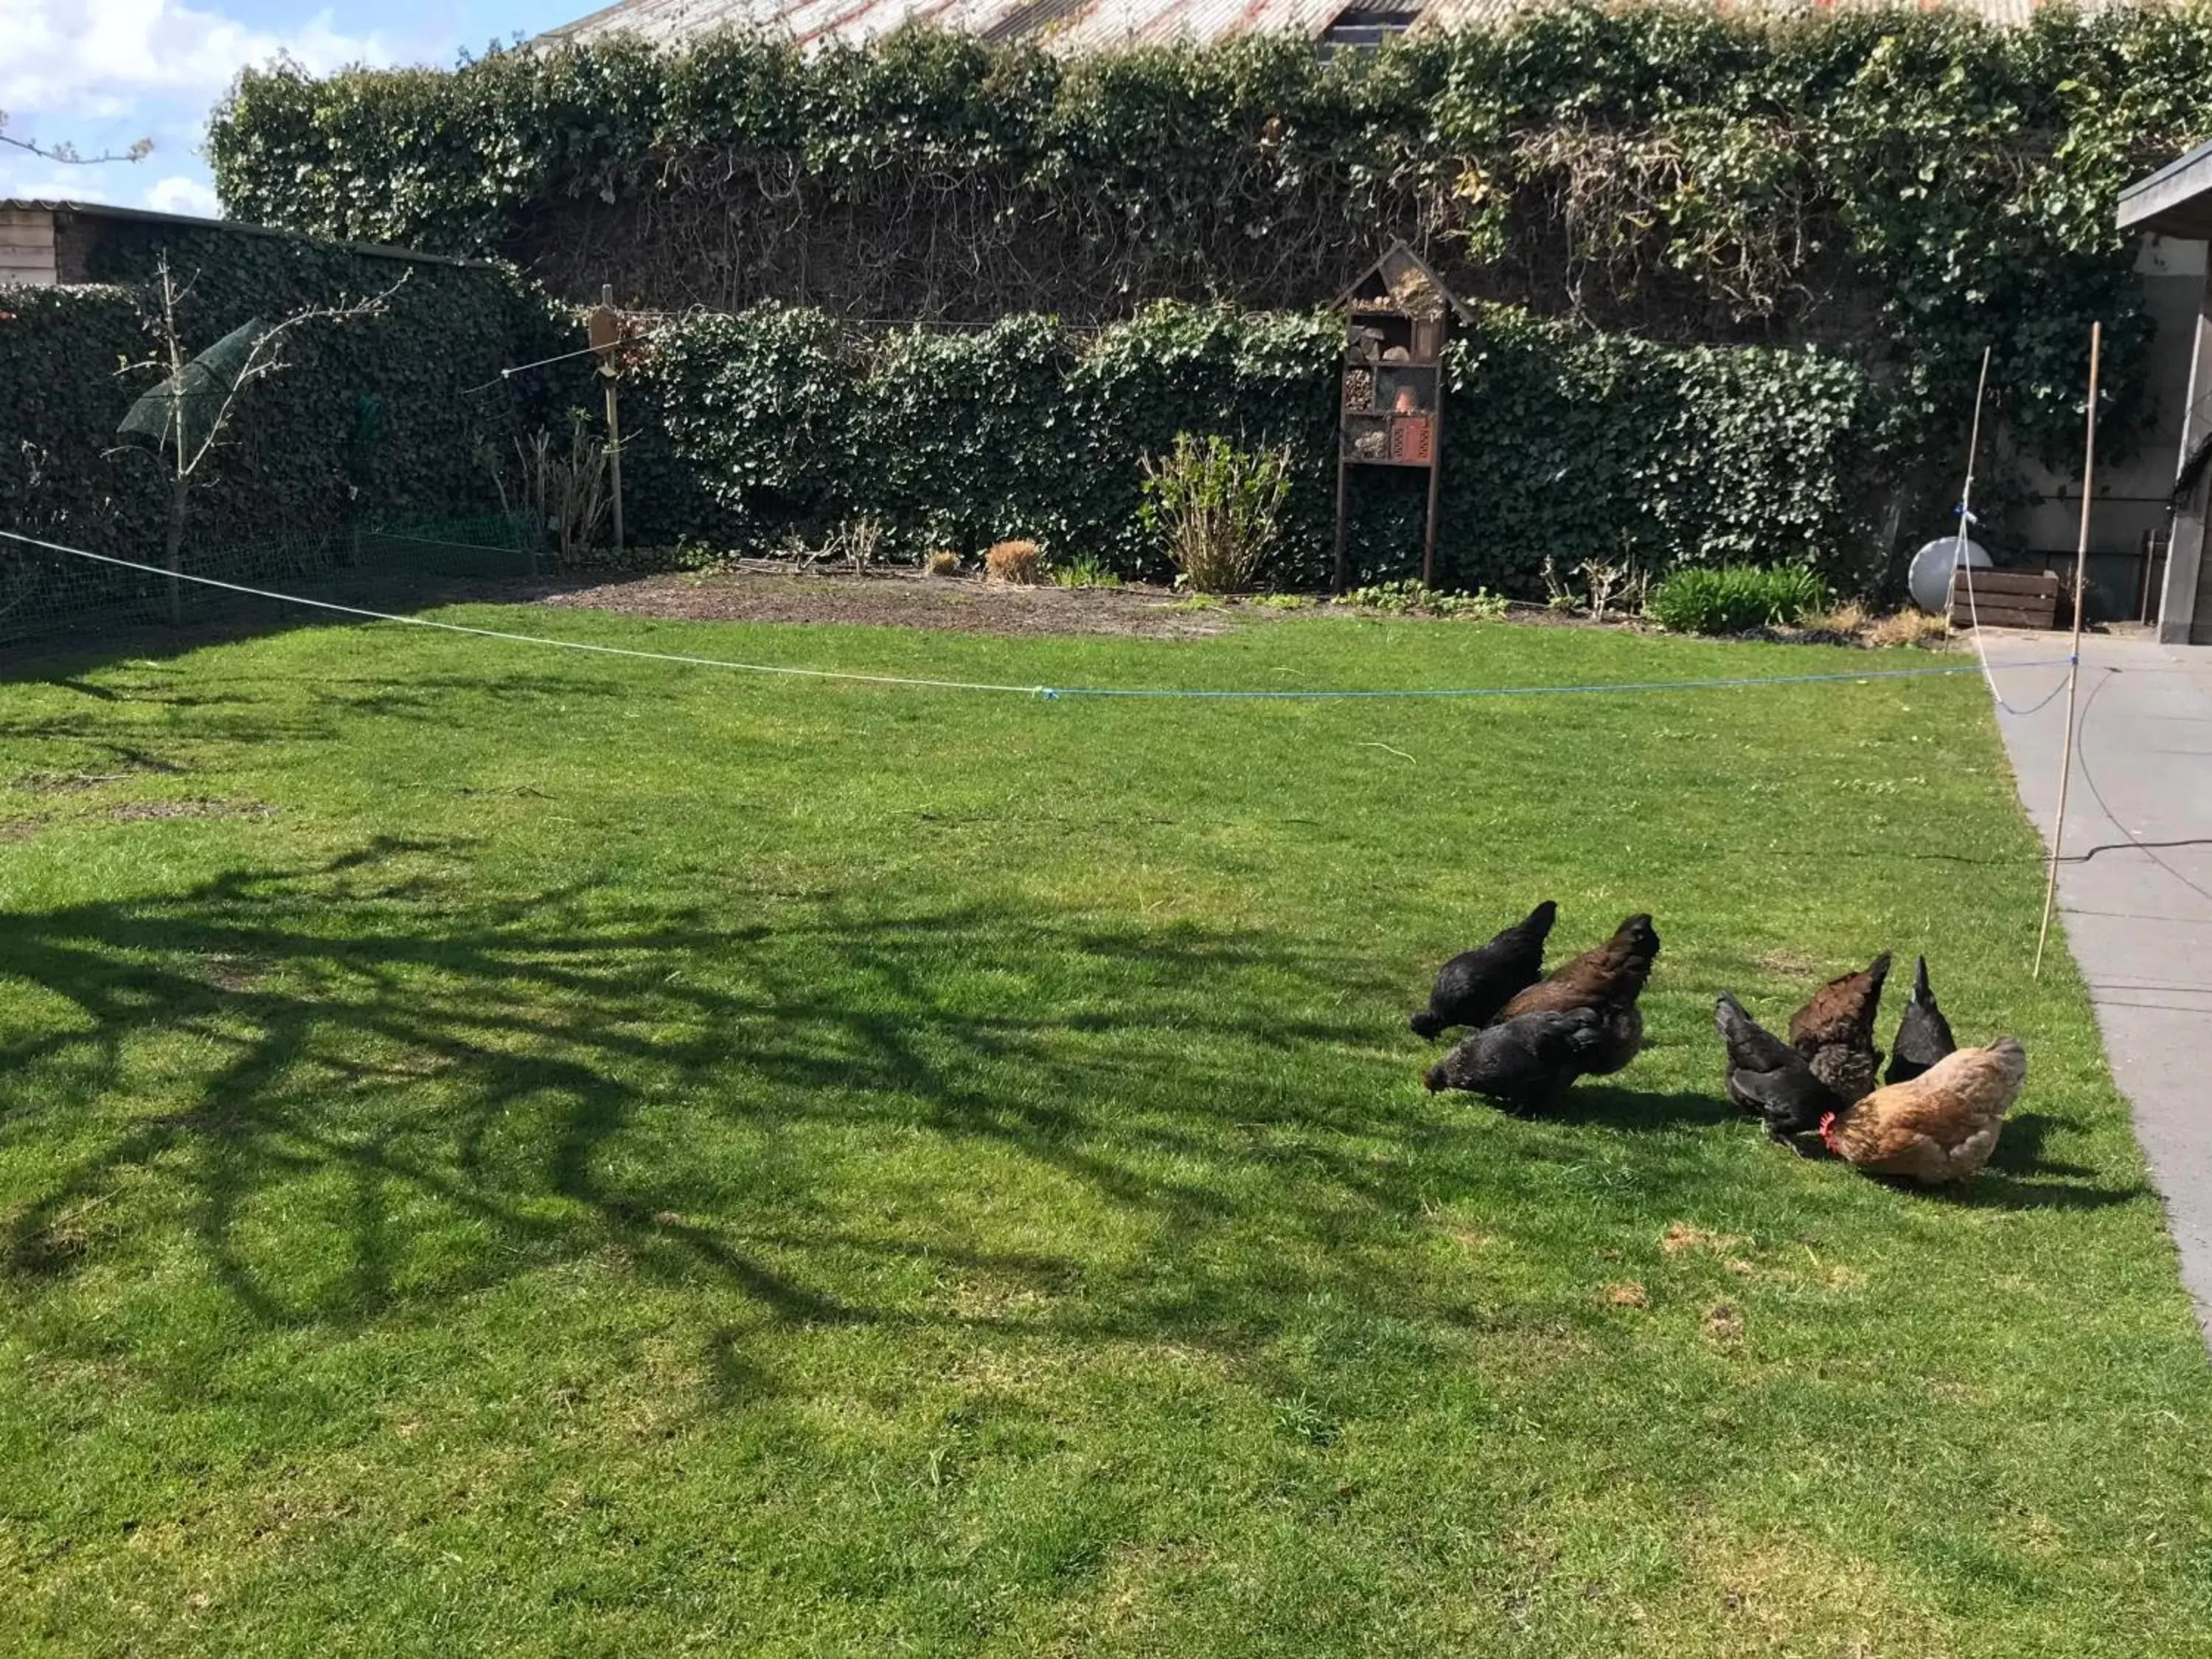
x,y
1835,1030
1940,1127
1609,979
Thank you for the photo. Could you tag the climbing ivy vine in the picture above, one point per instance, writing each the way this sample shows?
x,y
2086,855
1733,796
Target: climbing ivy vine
x,y
1561,442
1904,185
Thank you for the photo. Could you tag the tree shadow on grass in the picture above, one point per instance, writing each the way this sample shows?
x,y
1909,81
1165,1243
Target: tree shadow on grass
x,y
325,1076
376,1017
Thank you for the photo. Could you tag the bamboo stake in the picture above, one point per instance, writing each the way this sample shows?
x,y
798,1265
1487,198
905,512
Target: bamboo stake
x,y
2074,659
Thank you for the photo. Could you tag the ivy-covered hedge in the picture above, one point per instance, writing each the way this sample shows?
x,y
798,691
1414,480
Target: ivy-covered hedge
x,y
1560,442
1906,184
374,417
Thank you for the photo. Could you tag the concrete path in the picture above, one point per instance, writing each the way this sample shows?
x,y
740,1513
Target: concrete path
x,y
2135,895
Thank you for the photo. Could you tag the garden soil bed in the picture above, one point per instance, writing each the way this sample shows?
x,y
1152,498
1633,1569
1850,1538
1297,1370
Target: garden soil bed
x,y
903,600
900,598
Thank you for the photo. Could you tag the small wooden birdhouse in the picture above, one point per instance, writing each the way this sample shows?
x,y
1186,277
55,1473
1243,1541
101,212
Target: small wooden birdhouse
x,y
1397,316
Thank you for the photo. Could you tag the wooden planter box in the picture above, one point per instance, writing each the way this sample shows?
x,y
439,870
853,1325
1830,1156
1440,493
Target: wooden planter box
x,y
2005,599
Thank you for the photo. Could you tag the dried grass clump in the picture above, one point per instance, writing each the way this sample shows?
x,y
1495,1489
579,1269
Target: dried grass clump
x,y
942,562
1018,561
1849,617
1909,626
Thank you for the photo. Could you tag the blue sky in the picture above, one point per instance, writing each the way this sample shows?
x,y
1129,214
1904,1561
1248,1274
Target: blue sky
x,y
101,74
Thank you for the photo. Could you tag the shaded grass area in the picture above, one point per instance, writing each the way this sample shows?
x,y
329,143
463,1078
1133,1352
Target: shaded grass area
x,y
510,1152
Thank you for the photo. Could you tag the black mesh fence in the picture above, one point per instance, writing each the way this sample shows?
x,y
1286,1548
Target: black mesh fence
x,y
47,596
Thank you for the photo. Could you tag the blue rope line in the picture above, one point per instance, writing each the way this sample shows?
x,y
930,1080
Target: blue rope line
x,y
1051,693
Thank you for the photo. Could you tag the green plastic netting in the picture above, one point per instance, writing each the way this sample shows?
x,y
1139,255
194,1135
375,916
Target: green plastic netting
x,y
186,404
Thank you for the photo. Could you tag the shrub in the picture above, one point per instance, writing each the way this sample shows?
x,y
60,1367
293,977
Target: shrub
x,y
1218,508
1016,562
1482,606
1735,599
1409,598
1085,572
942,562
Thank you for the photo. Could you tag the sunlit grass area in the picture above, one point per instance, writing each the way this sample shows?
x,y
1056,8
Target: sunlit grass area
x,y
510,1152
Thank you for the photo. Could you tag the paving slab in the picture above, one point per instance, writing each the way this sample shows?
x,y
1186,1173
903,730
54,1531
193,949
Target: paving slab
x,y
2134,893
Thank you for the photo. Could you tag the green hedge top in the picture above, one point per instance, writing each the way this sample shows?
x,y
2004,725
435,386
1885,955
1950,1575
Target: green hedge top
x,y
1909,185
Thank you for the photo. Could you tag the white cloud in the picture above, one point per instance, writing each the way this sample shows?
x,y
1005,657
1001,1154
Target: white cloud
x,y
102,58
183,195
68,185
103,74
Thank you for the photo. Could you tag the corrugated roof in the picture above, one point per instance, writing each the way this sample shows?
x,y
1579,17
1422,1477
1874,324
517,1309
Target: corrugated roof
x,y
2003,14
1065,24
1107,23
1088,25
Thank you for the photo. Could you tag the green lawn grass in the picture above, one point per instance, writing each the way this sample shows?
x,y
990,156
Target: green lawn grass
x,y
561,1155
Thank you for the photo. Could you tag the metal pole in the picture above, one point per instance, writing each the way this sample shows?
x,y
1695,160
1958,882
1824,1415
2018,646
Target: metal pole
x,y
2074,661
1967,516
614,457
1966,491
614,424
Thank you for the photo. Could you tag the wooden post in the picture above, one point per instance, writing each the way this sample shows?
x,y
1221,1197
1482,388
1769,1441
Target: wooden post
x,y
1339,514
1436,474
2074,662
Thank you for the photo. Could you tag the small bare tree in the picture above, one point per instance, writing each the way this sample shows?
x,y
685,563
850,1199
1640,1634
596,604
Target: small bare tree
x,y
194,409
68,153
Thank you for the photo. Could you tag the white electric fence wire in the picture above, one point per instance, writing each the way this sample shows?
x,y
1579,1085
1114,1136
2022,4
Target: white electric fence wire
x,y
1047,692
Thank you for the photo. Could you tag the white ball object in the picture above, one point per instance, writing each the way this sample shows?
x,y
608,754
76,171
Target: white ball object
x,y
1929,580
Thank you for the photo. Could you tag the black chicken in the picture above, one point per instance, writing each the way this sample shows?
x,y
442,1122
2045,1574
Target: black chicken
x,y
1768,1078
1475,984
1526,1063
1923,1035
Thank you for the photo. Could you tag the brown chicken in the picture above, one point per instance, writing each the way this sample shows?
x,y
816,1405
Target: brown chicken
x,y
1609,979
1835,1030
1939,1128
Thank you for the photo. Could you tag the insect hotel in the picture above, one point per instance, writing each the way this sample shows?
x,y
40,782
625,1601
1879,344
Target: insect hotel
x,y
1396,319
